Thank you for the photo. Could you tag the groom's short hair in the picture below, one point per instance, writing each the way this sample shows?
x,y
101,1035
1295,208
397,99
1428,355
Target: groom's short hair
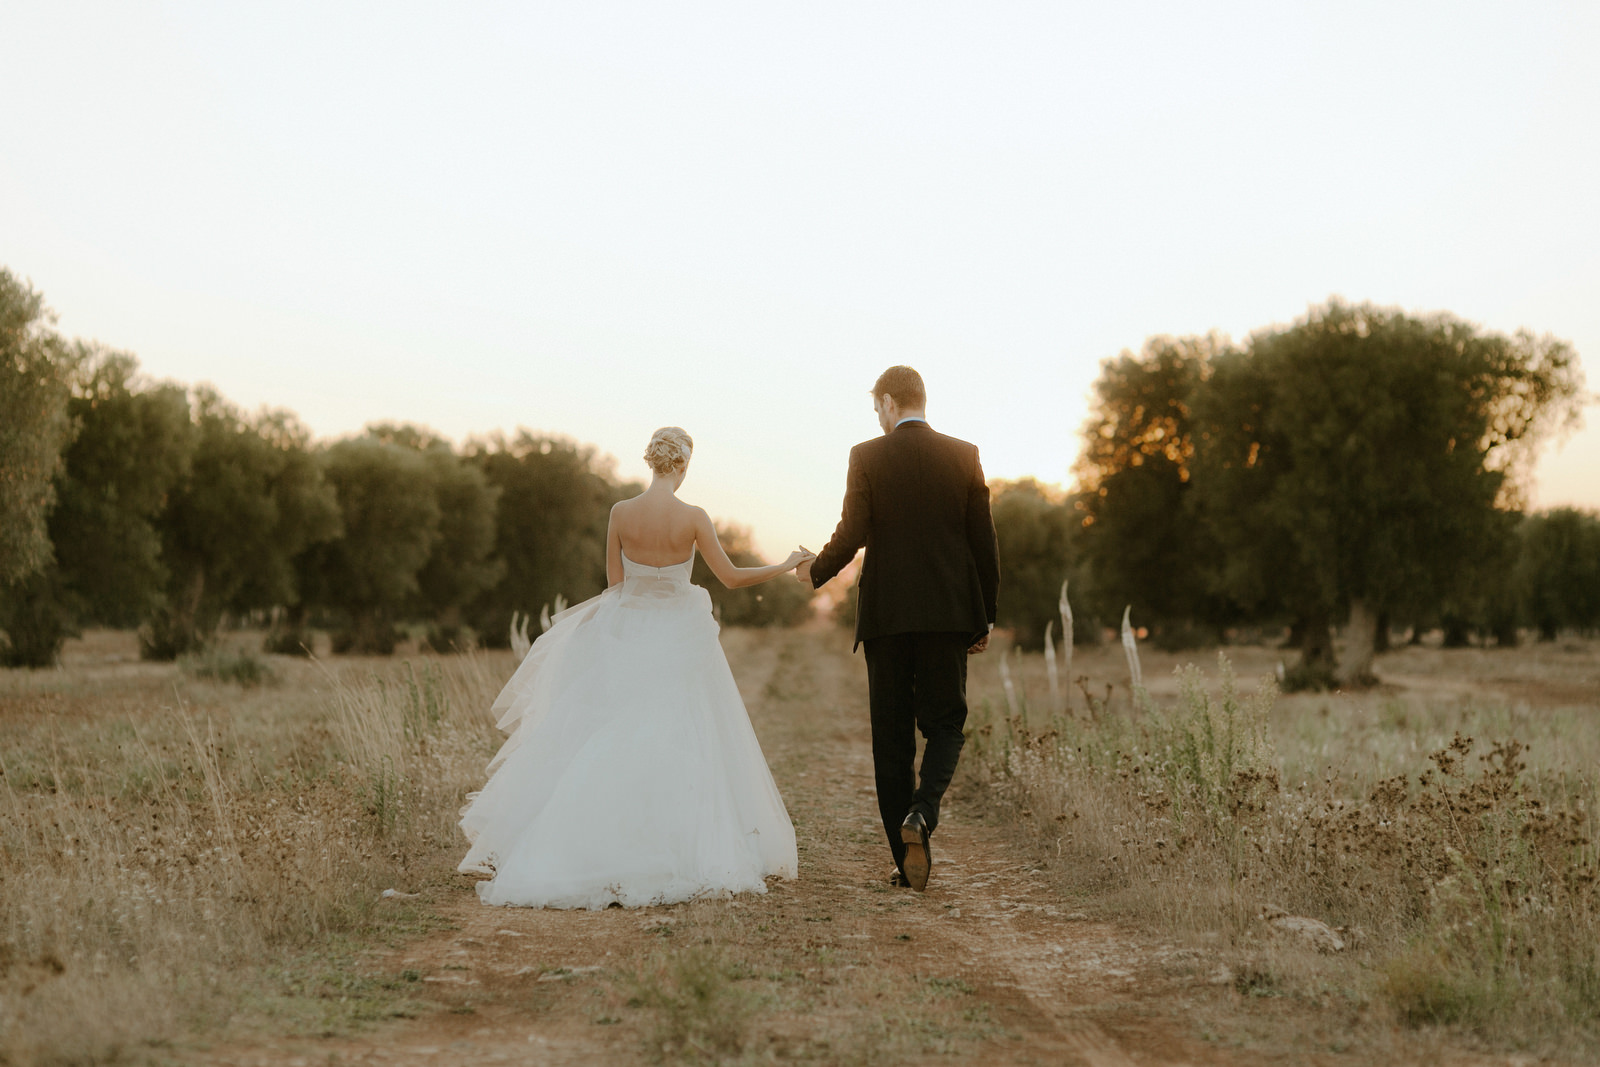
x,y
904,387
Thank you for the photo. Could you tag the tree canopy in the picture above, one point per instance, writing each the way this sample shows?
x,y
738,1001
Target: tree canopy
x,y
390,525
1356,460
550,525
1135,477
1038,533
252,501
34,425
1557,572
134,445
1360,464
463,563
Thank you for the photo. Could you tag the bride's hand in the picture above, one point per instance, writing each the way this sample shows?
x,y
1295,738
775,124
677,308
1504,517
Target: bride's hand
x,y
797,557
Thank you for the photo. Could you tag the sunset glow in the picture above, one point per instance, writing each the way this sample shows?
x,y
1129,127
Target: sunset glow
x,y
597,219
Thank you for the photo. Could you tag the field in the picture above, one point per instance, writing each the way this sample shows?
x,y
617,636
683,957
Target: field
x,y
194,861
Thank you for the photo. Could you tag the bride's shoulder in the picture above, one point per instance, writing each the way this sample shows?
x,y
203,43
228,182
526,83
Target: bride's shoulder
x,y
629,511
696,516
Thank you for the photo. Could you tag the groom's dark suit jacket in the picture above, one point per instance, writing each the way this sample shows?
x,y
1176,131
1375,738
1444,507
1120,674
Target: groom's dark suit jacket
x,y
917,502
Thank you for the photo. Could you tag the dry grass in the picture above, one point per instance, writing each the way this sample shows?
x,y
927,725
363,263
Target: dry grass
x,y
716,990
185,860
1460,865
701,1011
178,855
185,857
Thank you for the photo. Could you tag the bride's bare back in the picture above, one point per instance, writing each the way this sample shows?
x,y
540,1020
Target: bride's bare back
x,y
656,529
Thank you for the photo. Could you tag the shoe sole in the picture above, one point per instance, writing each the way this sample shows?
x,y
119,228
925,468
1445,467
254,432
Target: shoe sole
x,y
917,864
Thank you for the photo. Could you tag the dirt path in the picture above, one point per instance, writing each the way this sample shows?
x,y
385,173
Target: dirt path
x,y
989,966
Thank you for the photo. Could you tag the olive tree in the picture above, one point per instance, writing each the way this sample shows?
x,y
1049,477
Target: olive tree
x,y
134,443
254,498
34,426
550,526
1040,540
1356,462
1139,537
1557,571
462,563
390,523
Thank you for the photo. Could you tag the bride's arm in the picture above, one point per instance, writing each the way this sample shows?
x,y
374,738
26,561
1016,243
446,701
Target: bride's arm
x,y
734,577
613,551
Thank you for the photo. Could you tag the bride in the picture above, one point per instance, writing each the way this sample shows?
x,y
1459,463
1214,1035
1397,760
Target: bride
x,y
631,774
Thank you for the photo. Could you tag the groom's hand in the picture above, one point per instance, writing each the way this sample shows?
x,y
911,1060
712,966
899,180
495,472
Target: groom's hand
x,y
979,645
803,572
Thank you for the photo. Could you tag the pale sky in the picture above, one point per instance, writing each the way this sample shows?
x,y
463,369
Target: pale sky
x,y
595,218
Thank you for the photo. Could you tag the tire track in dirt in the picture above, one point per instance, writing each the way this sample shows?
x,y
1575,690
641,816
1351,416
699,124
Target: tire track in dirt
x,y
987,965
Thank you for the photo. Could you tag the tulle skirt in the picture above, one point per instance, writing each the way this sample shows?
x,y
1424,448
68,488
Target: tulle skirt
x,y
631,774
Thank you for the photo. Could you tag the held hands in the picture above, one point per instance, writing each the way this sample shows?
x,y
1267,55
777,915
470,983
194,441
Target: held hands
x,y
798,557
804,557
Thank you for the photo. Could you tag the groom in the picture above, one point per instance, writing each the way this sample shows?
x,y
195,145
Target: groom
x,y
917,502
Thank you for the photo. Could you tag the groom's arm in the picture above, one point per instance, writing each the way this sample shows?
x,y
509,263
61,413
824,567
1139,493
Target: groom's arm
x,y
981,539
851,533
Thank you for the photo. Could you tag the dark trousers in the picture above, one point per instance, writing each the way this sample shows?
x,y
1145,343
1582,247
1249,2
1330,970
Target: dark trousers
x,y
915,682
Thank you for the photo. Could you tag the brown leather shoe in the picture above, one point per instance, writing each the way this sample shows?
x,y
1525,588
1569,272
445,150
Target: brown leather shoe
x,y
919,858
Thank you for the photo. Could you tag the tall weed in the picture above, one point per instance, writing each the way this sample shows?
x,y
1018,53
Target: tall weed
x,y
700,1011
219,664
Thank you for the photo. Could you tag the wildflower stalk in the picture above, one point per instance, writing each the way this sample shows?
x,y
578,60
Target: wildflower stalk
x,y
1131,647
1066,630
1050,667
1011,690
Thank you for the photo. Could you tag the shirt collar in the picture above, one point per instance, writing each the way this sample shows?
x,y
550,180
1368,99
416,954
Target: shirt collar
x,y
911,418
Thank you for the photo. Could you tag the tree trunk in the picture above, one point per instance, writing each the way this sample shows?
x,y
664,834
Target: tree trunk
x,y
1297,634
172,630
1316,643
1380,640
1317,661
1361,645
1505,633
288,635
370,634
187,609
1455,633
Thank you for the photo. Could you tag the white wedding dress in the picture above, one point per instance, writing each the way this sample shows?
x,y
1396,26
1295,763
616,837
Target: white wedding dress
x,y
631,775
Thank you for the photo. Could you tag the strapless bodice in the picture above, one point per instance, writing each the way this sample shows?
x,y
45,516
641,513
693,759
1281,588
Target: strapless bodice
x,y
656,582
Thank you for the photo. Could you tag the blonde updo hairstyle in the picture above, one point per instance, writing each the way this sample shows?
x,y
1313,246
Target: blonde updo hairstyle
x,y
669,450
